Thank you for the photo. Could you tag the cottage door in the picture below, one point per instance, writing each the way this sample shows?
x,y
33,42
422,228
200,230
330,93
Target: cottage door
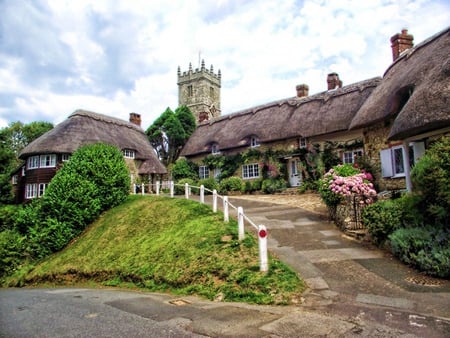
x,y
294,176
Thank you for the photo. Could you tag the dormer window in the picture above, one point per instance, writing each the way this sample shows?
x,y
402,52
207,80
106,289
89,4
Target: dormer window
x,y
302,143
215,149
129,153
254,142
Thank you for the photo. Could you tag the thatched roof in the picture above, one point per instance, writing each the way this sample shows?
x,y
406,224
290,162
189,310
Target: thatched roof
x,y
322,113
422,73
84,127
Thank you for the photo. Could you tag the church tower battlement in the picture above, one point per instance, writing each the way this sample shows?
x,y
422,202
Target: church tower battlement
x,y
199,90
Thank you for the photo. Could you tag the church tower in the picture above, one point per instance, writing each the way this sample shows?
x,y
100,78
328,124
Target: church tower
x,y
199,90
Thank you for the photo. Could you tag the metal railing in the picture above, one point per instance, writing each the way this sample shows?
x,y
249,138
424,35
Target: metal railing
x,y
241,216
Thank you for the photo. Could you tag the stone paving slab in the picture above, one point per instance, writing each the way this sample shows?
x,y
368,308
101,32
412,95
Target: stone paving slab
x,y
335,255
401,303
330,233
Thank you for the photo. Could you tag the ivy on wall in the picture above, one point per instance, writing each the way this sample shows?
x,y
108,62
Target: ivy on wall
x,y
313,163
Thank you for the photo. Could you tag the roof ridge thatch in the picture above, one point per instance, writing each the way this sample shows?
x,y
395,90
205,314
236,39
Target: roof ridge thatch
x,y
318,114
84,127
414,92
297,101
407,53
105,118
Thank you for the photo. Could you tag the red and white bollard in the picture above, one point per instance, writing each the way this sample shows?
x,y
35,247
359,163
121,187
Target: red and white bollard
x,y
262,241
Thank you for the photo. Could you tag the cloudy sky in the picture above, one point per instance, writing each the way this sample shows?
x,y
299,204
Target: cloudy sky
x,y
117,57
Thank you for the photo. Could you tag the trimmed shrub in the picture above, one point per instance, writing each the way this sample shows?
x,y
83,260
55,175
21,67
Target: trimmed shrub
x,y
209,183
231,184
426,248
253,185
273,185
308,186
381,219
180,186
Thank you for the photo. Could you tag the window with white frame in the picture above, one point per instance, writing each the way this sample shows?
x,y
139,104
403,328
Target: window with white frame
x,y
393,159
250,170
33,162
203,172
302,142
42,187
215,149
15,179
128,153
351,156
31,190
65,157
254,142
48,161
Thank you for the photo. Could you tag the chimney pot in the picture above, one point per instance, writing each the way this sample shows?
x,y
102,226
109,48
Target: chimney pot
x,y
401,42
135,118
333,81
302,90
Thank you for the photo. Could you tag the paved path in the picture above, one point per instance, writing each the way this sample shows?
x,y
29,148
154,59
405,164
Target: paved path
x,y
351,278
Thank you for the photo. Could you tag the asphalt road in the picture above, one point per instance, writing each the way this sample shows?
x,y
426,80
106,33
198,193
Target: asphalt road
x,y
78,313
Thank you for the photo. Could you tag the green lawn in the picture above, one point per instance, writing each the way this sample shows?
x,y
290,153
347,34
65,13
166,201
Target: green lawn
x,y
167,245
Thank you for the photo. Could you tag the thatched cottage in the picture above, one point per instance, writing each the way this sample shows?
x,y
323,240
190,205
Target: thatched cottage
x,y
409,108
374,118
290,124
45,155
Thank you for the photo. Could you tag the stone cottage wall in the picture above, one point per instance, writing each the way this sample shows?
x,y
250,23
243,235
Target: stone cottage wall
x,y
375,139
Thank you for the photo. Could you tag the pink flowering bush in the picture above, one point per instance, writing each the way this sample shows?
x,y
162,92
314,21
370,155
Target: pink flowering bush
x,y
346,181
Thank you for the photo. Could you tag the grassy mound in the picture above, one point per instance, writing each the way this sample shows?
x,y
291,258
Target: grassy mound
x,y
167,245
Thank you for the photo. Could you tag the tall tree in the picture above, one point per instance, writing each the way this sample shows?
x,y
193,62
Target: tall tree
x,y
12,140
169,133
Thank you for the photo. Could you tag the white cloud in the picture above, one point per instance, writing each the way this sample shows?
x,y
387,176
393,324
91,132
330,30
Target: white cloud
x,y
119,57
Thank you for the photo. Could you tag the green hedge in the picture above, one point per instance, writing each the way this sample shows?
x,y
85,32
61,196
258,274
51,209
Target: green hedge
x,y
426,248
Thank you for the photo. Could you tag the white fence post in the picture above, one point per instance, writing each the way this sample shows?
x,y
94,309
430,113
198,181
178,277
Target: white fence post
x,y
134,189
143,189
214,200
262,241
226,216
202,194
186,190
171,188
241,223
157,188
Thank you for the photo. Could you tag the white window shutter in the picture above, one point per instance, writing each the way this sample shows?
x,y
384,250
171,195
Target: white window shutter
x,y
386,163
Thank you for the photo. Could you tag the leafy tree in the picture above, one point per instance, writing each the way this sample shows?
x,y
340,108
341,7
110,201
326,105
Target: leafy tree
x,y
169,133
183,168
12,140
187,120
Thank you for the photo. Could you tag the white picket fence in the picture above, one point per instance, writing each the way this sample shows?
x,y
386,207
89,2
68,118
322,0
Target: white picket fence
x,y
241,217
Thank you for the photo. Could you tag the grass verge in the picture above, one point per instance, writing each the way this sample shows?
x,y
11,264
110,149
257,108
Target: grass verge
x,y
167,245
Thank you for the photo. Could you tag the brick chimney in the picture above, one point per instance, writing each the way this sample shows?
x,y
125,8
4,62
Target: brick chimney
x,y
135,118
302,90
333,81
401,42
